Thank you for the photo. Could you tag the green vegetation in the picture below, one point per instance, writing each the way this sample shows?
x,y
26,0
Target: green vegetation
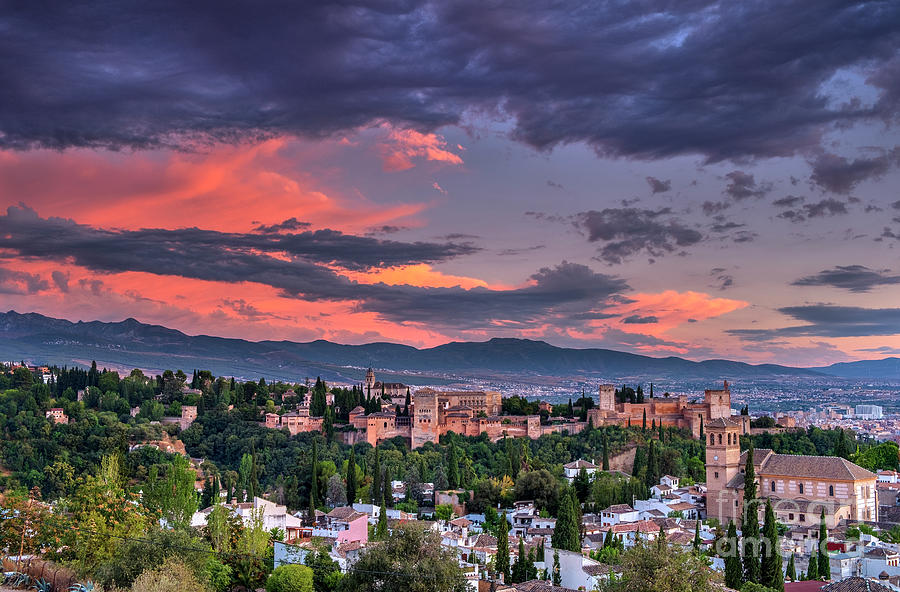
x,y
290,578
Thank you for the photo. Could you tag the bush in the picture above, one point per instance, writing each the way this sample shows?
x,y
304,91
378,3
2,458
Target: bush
x,y
290,578
754,587
171,576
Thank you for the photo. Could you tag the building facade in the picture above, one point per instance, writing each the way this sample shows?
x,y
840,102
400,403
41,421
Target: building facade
x,y
668,411
799,487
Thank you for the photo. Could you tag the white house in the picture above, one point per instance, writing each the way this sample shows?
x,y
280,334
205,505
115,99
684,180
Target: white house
x,y
273,516
617,514
572,469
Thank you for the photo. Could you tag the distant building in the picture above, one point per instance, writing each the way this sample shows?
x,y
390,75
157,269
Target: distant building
x,y
668,411
800,487
57,415
571,470
868,412
188,415
395,391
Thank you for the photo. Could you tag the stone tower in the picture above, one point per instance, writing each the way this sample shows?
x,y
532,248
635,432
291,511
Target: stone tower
x,y
607,400
723,464
370,380
718,401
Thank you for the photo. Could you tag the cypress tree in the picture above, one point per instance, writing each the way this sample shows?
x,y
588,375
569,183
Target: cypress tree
x,y
644,423
812,572
520,567
351,477
502,557
376,490
557,576
314,482
697,540
734,574
387,497
702,434
791,572
771,574
824,565
662,434
381,532
605,451
750,527
566,533
453,467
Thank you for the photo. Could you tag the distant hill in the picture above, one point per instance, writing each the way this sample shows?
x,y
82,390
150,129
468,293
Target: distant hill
x,y
888,368
132,344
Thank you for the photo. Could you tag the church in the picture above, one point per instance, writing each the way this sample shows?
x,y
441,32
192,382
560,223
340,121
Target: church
x,y
799,487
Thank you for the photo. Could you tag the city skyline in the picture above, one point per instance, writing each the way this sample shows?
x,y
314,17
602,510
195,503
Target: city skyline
x,y
701,179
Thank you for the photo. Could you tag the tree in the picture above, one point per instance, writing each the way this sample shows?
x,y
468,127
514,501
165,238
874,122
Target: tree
x,y
387,566
290,578
351,477
452,467
582,484
326,571
173,498
376,490
697,540
540,486
605,451
734,574
520,567
840,445
566,533
172,576
501,559
336,494
771,574
750,526
661,568
824,564
314,482
381,530
440,478
413,482
812,572
791,571
557,574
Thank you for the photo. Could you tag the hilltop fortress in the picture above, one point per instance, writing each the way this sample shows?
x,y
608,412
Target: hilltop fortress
x,y
668,411
433,413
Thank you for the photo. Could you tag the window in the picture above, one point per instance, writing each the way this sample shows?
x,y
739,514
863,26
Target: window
x,y
802,517
716,474
791,516
720,439
772,486
831,490
800,487
712,438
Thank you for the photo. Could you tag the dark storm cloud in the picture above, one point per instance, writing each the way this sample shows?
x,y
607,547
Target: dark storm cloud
x,y
289,224
553,293
21,282
628,231
742,185
840,175
61,280
819,209
788,201
659,186
639,320
825,320
640,79
855,278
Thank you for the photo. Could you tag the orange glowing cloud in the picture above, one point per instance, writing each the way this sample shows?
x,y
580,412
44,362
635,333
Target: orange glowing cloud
x,y
400,147
225,188
655,314
421,275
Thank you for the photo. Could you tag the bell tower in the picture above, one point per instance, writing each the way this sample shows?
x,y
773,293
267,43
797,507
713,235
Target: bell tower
x,y
723,460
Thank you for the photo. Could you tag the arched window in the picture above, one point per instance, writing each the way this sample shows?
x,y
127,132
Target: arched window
x,y
712,438
800,486
720,439
831,490
772,487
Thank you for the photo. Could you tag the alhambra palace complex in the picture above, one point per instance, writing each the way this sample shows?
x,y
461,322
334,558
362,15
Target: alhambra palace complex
x,y
434,413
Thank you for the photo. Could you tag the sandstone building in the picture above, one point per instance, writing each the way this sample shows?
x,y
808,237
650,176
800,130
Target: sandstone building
x,y
800,487
670,411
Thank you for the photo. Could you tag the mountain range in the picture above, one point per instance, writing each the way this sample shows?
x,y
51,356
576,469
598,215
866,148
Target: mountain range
x,y
132,344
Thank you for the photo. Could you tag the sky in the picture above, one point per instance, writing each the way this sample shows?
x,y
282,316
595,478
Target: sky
x,y
693,178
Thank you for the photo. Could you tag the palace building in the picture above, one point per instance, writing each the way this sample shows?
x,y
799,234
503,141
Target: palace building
x,y
669,411
799,487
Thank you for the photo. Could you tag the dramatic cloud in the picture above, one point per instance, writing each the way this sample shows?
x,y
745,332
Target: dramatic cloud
x,y
658,186
819,209
825,320
647,80
289,224
20,282
303,266
855,278
742,185
840,175
61,279
639,320
629,231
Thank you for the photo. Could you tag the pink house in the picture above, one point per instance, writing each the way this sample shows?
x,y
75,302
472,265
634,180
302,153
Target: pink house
x,y
344,524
